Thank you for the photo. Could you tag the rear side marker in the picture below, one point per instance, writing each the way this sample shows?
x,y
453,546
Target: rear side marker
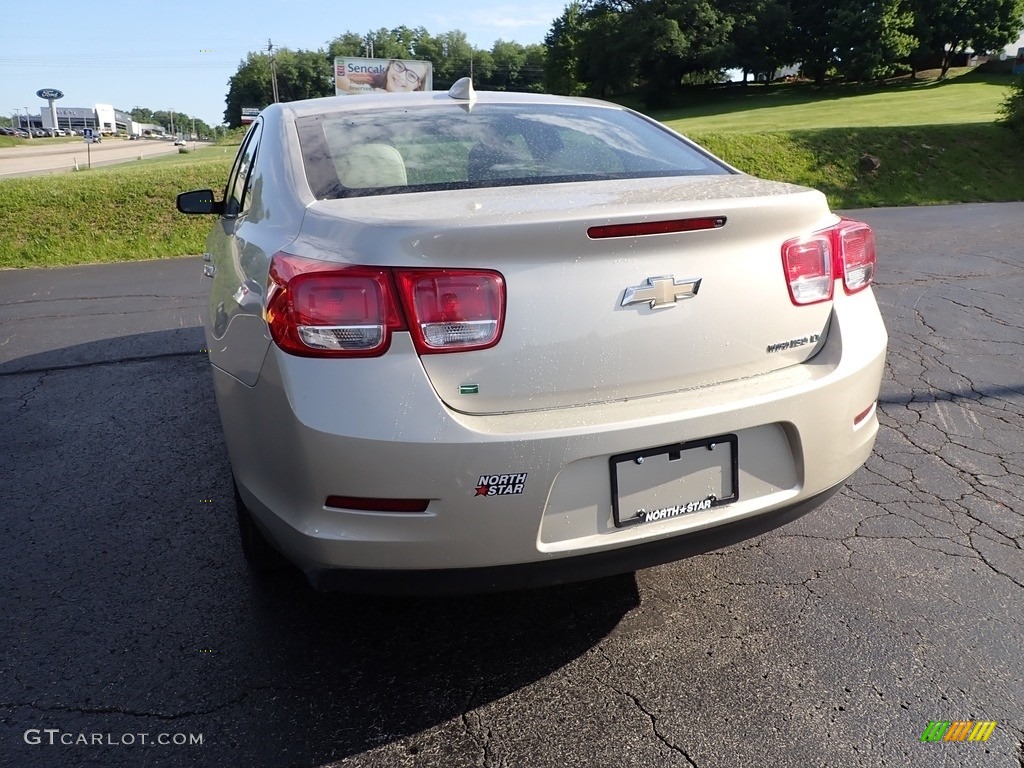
x,y
863,414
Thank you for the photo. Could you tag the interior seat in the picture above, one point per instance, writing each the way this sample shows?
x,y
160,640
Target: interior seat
x,y
371,165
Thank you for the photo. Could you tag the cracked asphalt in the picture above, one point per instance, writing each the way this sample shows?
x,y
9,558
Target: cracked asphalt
x,y
127,609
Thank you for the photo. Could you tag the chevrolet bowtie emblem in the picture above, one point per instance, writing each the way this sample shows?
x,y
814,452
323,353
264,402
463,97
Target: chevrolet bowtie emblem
x,y
663,291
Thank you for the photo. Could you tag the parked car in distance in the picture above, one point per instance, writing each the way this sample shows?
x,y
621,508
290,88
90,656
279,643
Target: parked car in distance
x,y
472,341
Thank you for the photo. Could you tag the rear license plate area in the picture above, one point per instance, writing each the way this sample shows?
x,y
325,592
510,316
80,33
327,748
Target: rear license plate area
x,y
674,480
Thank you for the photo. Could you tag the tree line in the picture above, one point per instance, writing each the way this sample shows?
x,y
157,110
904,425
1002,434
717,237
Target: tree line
x,y
173,122
304,74
658,48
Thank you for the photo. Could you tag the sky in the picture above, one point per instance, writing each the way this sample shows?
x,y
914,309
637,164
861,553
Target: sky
x,y
168,55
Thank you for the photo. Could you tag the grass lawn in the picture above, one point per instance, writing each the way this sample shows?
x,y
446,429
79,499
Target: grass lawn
x,y
968,96
116,213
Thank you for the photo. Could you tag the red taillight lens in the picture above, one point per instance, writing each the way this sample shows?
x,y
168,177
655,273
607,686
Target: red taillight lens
x,y
811,263
452,309
857,253
807,262
322,309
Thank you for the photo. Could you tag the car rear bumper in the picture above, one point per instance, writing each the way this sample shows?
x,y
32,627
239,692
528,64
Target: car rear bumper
x,y
375,428
558,570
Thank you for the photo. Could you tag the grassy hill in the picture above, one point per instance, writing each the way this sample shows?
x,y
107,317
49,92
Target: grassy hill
x,y
935,141
967,96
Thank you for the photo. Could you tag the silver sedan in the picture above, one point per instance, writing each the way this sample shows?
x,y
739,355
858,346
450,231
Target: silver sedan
x,y
469,341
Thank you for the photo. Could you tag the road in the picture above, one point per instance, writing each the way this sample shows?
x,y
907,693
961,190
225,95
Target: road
x,y
40,156
127,608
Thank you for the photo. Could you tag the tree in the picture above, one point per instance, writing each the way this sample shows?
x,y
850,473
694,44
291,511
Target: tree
x,y
347,44
950,27
816,34
514,67
762,39
1011,112
300,75
672,40
563,43
607,60
879,36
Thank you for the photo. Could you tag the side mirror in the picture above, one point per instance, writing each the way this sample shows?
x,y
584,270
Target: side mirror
x,y
199,201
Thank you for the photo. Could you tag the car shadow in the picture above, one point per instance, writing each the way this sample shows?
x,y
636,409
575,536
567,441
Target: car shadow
x,y
135,610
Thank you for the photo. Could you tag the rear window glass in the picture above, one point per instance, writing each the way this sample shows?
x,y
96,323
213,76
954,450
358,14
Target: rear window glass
x,y
351,154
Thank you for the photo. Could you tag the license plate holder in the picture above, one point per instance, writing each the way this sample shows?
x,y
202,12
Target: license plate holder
x,y
674,480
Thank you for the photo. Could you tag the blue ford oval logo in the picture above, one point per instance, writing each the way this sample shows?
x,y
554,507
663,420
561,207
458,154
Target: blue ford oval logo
x,y
49,93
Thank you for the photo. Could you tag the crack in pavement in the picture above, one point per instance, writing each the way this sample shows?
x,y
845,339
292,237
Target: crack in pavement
x,y
97,363
650,716
168,716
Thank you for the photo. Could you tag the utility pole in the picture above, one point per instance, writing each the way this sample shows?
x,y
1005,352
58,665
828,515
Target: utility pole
x,y
273,70
28,123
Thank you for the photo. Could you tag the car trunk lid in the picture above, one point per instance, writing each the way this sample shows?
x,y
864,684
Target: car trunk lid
x,y
594,319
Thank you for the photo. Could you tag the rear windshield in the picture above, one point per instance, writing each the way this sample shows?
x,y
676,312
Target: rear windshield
x,y
350,154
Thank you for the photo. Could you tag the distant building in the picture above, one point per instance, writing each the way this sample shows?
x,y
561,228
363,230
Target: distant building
x,y
101,117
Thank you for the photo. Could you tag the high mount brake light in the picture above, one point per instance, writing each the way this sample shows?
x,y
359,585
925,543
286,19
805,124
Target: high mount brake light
x,y
322,309
812,263
640,228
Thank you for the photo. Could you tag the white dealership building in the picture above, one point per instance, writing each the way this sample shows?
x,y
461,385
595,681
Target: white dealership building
x,y
101,117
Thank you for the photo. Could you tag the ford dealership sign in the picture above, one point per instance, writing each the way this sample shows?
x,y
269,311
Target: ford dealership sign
x,y
50,93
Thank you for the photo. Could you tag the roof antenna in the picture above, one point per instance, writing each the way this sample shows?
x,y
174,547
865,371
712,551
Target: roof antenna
x,y
463,90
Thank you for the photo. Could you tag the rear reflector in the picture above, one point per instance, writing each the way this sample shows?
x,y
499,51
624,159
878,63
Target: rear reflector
x,y
863,414
377,505
656,227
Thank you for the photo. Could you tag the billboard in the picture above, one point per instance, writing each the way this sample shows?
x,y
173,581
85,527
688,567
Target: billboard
x,y
353,75
249,114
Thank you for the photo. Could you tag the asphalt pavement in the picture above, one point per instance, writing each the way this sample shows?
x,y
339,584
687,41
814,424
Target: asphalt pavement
x,y
129,618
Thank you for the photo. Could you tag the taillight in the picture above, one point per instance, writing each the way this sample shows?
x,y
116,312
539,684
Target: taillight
x,y
808,265
452,309
857,252
812,263
324,309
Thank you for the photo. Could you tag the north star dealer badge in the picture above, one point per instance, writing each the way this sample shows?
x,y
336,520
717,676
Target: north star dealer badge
x,y
501,485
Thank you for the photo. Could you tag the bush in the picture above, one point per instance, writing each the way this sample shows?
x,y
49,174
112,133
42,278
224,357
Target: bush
x,y
1012,109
